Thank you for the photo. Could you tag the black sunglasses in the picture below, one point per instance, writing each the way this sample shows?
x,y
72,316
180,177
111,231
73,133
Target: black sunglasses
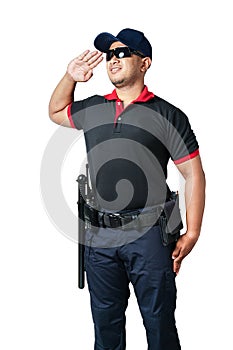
x,y
122,52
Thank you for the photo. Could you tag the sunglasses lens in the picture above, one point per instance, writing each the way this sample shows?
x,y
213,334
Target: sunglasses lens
x,y
109,55
119,52
122,52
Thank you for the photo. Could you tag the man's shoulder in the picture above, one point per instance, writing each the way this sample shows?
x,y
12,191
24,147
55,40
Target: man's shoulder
x,y
160,104
92,100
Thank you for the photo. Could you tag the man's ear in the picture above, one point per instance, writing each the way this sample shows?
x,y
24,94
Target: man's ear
x,y
146,63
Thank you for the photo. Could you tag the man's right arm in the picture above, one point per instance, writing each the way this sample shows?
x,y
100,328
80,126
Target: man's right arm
x,y
79,70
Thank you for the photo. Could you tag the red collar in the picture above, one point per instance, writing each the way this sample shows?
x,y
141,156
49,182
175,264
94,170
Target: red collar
x,y
143,97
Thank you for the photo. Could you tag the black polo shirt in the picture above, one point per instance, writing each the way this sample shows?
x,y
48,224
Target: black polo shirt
x,y
128,149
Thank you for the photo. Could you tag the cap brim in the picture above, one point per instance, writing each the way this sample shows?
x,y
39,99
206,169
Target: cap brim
x,y
104,40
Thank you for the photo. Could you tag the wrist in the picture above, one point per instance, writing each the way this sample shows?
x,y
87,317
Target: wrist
x,y
193,234
69,78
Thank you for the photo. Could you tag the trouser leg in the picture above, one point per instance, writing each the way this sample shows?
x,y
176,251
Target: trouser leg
x,y
149,266
109,292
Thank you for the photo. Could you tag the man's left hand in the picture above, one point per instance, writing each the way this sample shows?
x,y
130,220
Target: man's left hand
x,y
183,247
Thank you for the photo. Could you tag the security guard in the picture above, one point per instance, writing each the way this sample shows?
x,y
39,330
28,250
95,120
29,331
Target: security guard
x,y
130,136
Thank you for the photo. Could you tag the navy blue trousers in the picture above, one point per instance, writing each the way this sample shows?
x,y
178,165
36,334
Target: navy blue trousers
x,y
147,264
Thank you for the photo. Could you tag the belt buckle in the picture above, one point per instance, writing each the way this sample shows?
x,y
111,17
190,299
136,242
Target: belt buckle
x,y
131,220
112,220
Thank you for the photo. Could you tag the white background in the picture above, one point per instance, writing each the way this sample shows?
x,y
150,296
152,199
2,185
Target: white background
x,y
41,306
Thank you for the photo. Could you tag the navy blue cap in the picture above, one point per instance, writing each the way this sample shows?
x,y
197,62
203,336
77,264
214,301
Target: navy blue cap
x,y
132,38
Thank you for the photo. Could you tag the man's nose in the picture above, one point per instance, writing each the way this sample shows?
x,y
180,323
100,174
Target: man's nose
x,y
114,59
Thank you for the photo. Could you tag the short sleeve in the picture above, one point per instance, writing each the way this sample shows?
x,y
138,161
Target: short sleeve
x,y
76,114
181,140
77,110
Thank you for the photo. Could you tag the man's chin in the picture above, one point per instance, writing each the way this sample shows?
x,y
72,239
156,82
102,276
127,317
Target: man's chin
x,y
118,83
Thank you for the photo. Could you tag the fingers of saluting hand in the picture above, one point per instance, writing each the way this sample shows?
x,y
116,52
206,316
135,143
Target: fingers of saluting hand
x,y
81,68
95,60
83,55
91,58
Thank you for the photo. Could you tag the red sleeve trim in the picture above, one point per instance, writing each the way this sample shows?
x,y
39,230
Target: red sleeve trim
x,y
189,156
70,116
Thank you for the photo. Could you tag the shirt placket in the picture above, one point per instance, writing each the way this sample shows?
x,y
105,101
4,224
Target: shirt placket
x,y
118,116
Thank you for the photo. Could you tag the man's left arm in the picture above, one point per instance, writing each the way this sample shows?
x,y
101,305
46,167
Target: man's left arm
x,y
194,176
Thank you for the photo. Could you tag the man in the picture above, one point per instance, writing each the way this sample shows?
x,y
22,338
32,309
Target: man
x,y
130,136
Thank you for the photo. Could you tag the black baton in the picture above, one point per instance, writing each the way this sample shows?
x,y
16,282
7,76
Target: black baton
x,y
82,181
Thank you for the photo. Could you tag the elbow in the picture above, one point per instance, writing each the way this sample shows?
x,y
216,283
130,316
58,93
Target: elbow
x,y
59,117
55,116
52,116
199,178
202,177
52,113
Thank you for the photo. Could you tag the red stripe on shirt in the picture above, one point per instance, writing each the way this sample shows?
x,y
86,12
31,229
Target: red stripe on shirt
x,y
70,116
119,109
188,157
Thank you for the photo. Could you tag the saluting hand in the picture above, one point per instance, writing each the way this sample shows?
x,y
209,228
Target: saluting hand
x,y
81,68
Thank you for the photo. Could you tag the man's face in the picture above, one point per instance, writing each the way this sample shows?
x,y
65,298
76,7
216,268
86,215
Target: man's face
x,y
124,71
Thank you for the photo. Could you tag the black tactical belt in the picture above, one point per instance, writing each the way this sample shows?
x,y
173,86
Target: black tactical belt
x,y
126,221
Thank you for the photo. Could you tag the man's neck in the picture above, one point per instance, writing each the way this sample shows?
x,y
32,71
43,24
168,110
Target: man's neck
x,y
128,94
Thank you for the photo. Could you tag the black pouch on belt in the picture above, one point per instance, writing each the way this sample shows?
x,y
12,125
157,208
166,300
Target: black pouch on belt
x,y
170,221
